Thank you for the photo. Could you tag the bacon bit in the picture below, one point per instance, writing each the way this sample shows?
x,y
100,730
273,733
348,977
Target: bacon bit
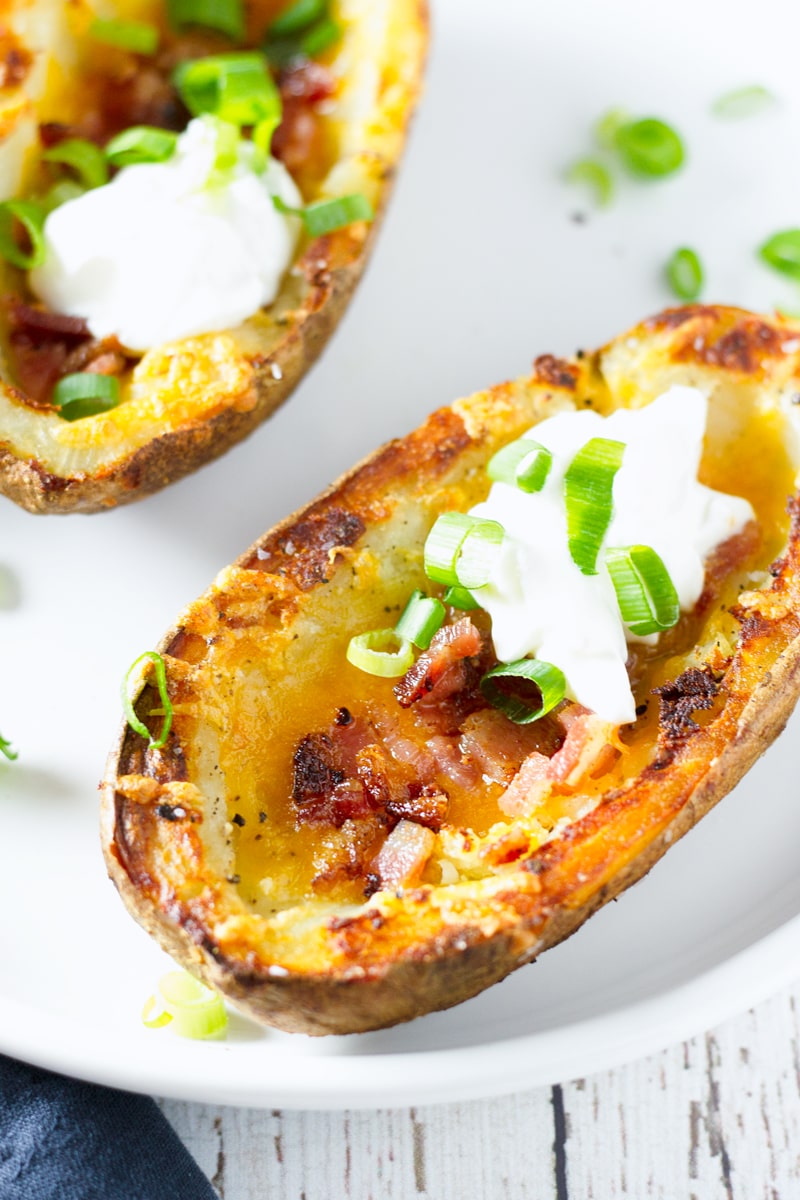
x,y
498,747
450,763
449,647
426,805
403,749
345,853
35,322
41,343
588,749
402,857
299,139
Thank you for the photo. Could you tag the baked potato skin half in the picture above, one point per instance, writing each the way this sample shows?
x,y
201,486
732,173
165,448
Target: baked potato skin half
x,y
188,402
275,626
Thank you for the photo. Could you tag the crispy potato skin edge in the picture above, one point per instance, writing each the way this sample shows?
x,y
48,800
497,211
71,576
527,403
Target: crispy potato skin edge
x,y
557,888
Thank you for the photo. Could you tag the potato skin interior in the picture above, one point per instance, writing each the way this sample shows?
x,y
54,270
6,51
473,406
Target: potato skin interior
x,y
259,661
187,402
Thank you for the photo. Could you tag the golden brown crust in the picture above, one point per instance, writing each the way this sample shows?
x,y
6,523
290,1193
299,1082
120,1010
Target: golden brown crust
x,y
154,443
313,968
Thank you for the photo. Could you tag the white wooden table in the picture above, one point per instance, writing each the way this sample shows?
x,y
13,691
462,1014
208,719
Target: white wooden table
x,y
715,1118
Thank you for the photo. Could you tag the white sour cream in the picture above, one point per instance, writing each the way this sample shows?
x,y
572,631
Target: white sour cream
x,y
542,605
159,253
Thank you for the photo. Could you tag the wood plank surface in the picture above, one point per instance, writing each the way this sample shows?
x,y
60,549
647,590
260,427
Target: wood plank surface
x,y
717,1118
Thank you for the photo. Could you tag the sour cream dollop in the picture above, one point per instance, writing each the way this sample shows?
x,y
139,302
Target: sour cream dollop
x,y
542,605
165,250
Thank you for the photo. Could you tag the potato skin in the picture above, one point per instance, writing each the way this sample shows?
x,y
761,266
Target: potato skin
x,y
123,461
402,955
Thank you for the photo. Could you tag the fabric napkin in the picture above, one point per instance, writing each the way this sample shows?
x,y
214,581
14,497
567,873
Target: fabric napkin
x,y
65,1140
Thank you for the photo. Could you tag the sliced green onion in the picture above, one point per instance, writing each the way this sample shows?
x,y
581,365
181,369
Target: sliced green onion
x,y
646,595
141,144
30,216
314,41
609,125
588,485
61,193
782,252
524,464
327,215
297,17
228,140
85,394
161,683
262,138
422,617
85,158
225,15
549,680
236,87
461,550
460,598
140,37
650,147
194,1010
684,273
743,102
5,748
380,652
590,173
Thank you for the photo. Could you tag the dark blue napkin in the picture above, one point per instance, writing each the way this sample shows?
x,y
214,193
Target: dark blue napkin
x,y
65,1140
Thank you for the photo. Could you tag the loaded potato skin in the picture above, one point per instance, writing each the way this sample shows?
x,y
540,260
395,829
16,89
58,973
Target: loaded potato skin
x,y
186,402
234,844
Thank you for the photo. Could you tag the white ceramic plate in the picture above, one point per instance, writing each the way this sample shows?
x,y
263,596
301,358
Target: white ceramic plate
x,y
481,265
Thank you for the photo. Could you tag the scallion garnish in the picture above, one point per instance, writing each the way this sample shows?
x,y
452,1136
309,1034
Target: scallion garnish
x,y
422,617
684,273
327,215
649,147
313,41
5,748
138,726
28,217
85,394
549,680
461,550
141,144
648,602
227,16
743,102
297,17
595,176
235,87
609,124
588,485
83,157
524,464
782,252
380,652
193,1010
140,37
459,597
61,193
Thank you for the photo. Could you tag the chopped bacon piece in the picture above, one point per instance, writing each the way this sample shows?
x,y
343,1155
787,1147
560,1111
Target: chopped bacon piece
x,y
452,644
587,750
426,805
41,344
450,762
402,857
498,747
299,139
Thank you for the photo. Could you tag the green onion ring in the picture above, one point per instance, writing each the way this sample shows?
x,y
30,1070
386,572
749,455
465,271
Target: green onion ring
x,y
650,147
138,726
782,252
422,617
85,158
594,175
459,597
588,493
193,1010
743,102
648,602
85,394
235,87
141,144
549,680
684,273
524,464
369,653
30,216
227,16
297,17
5,748
140,37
